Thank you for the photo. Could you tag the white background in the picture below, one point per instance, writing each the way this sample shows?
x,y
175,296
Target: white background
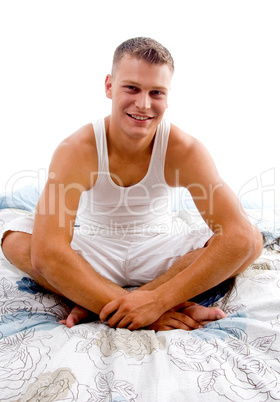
x,y
55,55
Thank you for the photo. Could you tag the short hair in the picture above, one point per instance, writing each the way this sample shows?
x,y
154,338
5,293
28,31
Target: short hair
x,y
146,49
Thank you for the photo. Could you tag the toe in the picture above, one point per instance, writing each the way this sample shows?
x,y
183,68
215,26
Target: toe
x,y
204,314
77,314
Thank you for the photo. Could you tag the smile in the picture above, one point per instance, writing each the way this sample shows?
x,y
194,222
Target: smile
x,y
142,118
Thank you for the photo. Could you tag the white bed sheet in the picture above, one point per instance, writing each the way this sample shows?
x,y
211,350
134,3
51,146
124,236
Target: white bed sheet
x,y
234,359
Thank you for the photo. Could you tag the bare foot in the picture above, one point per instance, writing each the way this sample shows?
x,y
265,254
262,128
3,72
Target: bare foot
x,y
203,315
187,316
76,315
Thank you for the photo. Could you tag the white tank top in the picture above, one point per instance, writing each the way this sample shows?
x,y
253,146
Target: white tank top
x,y
143,208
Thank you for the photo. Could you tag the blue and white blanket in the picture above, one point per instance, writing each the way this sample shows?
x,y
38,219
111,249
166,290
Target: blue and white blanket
x,y
234,359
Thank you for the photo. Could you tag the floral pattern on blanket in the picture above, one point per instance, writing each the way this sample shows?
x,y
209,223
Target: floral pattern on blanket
x,y
137,347
234,359
55,384
239,367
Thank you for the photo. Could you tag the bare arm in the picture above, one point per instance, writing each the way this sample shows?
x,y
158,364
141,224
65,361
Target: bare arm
x,y
51,254
235,244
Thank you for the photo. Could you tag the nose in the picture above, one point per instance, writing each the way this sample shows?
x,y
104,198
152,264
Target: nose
x,y
143,101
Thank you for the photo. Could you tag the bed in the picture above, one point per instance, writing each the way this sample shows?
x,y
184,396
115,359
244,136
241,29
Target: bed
x,y
233,359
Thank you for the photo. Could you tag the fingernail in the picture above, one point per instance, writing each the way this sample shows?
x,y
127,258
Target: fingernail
x,y
200,326
219,317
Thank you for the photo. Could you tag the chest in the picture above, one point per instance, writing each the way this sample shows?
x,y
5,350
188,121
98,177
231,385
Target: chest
x,y
127,173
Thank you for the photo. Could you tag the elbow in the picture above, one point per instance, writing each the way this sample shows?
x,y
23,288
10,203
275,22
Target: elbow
x,y
42,259
257,243
250,243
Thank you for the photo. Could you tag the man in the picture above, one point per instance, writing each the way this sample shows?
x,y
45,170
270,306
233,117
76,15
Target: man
x,y
118,175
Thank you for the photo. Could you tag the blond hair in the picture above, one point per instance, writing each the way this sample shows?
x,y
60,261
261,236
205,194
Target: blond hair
x,y
146,49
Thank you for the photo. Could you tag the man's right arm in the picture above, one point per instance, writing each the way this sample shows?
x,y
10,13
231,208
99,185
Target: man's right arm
x,y
71,172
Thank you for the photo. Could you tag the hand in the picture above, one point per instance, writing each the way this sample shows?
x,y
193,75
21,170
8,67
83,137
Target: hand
x,y
133,310
187,316
173,319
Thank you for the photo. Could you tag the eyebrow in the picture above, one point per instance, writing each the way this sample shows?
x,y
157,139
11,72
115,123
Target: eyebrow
x,y
136,84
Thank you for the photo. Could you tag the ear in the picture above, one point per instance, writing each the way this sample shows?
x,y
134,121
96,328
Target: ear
x,y
108,86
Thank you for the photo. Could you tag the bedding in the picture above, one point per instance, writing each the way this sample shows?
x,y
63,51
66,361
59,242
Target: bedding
x,y
233,359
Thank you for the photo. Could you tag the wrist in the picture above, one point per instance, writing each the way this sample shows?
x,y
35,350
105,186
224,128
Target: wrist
x,y
162,296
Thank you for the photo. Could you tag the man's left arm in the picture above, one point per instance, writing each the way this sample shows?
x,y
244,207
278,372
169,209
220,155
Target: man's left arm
x,y
235,244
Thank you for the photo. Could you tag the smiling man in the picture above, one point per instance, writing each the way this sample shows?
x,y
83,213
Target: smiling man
x,y
118,175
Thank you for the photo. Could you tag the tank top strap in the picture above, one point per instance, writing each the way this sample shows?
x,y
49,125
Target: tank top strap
x,y
144,207
157,163
101,144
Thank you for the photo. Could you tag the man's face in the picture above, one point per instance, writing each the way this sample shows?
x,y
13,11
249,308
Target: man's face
x,y
139,93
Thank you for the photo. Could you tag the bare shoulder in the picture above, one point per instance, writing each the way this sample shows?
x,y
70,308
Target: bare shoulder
x,y
81,140
187,159
182,143
75,158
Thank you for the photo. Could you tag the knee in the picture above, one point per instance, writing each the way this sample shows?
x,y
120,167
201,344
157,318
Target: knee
x,y
7,244
16,247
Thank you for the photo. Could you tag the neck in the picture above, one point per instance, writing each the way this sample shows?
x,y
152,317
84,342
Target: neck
x,y
125,147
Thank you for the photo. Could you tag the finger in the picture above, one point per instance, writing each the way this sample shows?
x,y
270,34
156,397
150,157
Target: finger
x,y
181,325
108,309
174,320
171,324
186,320
116,320
166,328
124,321
160,327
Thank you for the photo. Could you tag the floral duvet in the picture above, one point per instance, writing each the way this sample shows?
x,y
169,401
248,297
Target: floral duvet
x,y
234,359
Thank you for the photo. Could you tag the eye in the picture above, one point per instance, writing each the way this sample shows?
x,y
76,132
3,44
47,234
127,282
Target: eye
x,y
157,93
131,88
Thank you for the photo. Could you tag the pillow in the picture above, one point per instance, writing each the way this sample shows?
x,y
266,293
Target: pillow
x,y
24,198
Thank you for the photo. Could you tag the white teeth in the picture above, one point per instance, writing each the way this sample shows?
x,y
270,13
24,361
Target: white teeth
x,y
139,117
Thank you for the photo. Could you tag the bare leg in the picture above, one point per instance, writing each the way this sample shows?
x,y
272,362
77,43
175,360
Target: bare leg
x,y
16,247
199,314
186,260
181,264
